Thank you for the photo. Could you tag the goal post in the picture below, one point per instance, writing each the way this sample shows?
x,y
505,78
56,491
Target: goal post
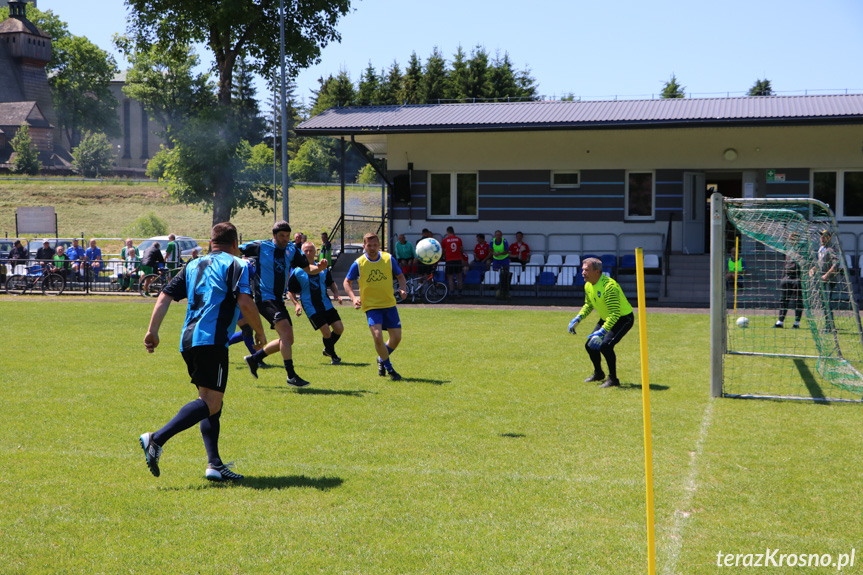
x,y
784,319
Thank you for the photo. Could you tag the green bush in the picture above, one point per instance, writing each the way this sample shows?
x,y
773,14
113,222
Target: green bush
x,y
93,156
26,156
158,163
367,175
147,226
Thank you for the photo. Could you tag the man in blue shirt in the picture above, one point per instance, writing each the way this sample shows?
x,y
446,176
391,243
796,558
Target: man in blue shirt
x,y
94,256
276,258
76,256
313,299
215,286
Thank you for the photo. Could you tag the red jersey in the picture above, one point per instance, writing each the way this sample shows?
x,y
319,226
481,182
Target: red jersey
x,y
452,248
481,251
516,249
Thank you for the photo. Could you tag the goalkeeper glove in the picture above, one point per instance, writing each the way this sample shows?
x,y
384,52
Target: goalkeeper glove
x,y
594,340
574,323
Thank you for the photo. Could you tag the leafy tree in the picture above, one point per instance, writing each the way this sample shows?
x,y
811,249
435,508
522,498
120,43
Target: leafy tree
x,y
412,82
246,104
434,82
26,159
367,175
458,80
391,85
163,79
93,156
313,163
367,94
761,88
232,29
673,89
158,164
334,92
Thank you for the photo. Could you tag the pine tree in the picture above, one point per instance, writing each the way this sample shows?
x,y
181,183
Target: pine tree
x,y
673,89
243,96
502,78
368,95
391,85
761,88
457,86
26,159
479,82
412,82
434,83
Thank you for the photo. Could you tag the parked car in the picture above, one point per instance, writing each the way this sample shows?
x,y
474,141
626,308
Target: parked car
x,y
34,246
6,247
185,243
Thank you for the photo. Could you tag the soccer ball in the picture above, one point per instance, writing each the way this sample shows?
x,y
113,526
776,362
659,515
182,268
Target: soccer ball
x,y
429,251
742,322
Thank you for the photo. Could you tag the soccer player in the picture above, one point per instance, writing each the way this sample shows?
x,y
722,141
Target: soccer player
x,y
172,253
452,249
375,271
500,261
215,286
615,320
275,260
312,291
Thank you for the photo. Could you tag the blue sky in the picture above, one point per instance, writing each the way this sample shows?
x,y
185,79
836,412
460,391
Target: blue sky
x,y
596,50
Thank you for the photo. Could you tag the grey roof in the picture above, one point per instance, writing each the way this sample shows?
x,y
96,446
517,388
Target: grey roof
x,y
17,113
511,116
16,25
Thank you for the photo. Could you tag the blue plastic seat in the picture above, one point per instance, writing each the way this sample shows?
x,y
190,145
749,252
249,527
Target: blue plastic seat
x,y
547,279
473,278
627,261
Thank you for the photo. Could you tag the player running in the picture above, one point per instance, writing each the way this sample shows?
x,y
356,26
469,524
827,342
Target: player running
x,y
312,291
375,271
615,320
275,260
215,286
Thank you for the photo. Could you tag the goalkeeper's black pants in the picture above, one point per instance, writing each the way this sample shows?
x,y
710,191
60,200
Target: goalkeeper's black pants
x,y
612,338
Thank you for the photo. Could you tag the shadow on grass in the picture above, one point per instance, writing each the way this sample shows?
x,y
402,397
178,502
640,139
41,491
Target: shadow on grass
x,y
808,379
316,391
512,435
352,364
267,483
653,386
425,380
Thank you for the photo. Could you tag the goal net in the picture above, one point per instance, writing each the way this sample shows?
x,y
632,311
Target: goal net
x,y
784,319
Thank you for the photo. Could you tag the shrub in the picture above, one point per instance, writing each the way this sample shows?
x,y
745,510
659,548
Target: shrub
x,y
146,226
26,156
93,156
367,175
159,163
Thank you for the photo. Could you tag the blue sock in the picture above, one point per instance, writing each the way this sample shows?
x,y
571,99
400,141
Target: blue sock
x,y
189,415
388,365
238,336
250,343
210,432
390,350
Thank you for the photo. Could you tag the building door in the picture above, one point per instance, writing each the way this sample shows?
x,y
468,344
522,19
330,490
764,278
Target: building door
x,y
694,209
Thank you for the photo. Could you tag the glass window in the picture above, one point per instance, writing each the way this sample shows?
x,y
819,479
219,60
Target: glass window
x,y
639,195
842,190
453,195
824,188
853,194
564,179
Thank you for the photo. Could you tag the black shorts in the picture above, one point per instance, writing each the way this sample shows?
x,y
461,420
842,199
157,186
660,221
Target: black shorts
x,y
208,366
274,311
454,267
323,318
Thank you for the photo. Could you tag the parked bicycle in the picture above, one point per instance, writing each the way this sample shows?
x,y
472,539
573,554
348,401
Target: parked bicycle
x,y
424,287
49,282
151,284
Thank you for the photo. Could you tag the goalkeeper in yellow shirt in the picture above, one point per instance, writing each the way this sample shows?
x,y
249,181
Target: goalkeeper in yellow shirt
x,y
615,320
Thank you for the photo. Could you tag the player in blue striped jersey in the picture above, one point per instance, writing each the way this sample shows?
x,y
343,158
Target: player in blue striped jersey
x,y
215,286
313,299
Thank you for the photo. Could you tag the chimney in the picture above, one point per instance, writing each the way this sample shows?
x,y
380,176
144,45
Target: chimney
x,y
18,9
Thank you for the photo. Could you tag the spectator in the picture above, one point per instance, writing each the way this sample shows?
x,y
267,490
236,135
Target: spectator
x,y
452,249
326,247
735,267
151,262
298,241
790,286
172,253
194,255
826,267
131,267
519,252
423,269
94,257
482,251
18,255
126,248
500,261
60,263
405,254
76,256
45,254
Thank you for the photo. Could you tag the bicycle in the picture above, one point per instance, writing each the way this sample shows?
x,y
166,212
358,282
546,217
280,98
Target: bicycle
x,y
424,287
51,283
151,284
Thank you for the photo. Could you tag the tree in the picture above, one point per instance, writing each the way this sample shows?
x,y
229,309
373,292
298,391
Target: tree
x,y
367,175
761,88
458,81
232,29
334,92
391,85
478,76
434,82
313,162
412,82
367,94
80,85
672,89
163,79
527,85
246,104
502,78
26,159
93,156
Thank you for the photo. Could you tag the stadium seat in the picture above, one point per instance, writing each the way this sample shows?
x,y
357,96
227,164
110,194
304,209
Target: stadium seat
x,y
528,276
491,278
478,266
515,273
573,260
651,262
860,265
472,278
579,280
609,263
547,279
627,262
553,263
849,262
440,275
568,274
536,260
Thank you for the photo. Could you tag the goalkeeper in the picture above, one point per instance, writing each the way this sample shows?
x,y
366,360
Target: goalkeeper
x,y
615,320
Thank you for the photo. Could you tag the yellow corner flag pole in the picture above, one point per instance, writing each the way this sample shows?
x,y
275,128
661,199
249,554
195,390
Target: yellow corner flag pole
x,y
645,402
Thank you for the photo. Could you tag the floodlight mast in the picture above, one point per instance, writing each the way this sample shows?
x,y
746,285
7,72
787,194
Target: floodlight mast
x,y
285,182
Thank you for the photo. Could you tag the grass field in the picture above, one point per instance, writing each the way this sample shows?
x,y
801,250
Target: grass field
x,y
105,209
491,456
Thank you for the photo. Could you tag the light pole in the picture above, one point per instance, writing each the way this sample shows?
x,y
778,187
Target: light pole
x,y
285,182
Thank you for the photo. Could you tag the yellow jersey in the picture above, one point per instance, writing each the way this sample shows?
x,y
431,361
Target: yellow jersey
x,y
376,282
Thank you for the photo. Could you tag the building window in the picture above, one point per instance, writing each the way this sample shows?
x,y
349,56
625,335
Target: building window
x,y
452,195
842,190
564,180
127,129
640,196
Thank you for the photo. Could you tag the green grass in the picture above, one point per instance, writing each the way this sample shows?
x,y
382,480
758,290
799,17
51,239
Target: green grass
x,y
105,209
490,457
